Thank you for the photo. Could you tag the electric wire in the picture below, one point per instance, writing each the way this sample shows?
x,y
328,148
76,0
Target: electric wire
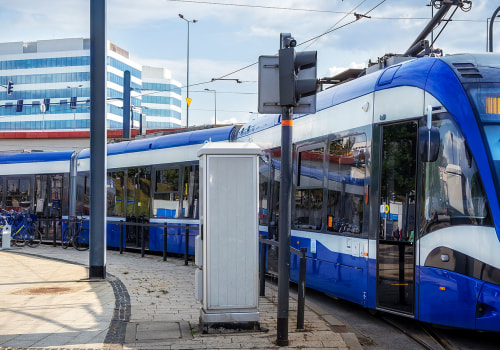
x,y
444,26
253,64
257,6
333,26
314,10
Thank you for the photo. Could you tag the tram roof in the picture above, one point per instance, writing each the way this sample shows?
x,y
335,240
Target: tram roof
x,y
415,72
167,141
35,157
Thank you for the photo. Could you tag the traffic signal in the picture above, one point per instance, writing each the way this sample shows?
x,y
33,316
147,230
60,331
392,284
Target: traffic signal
x,y
46,102
297,75
19,107
10,87
72,102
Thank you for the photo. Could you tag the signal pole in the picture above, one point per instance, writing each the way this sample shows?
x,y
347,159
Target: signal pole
x,y
293,75
285,225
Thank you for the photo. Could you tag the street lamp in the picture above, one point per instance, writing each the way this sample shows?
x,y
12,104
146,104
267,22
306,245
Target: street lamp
x,y
215,105
187,74
74,109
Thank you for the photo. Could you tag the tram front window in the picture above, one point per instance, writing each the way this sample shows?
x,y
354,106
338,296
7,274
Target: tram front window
x,y
486,100
454,194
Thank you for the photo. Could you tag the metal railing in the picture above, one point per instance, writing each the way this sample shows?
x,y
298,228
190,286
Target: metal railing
x,y
166,226
52,231
301,285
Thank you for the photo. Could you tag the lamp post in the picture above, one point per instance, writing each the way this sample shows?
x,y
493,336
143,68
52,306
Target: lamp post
x,y
215,104
74,109
187,69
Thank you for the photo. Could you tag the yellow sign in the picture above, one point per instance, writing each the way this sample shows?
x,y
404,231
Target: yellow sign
x,y
188,100
386,209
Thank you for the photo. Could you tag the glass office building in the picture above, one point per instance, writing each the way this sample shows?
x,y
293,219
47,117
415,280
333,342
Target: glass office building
x,y
51,88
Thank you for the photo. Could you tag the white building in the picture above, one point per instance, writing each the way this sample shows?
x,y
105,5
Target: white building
x,y
51,89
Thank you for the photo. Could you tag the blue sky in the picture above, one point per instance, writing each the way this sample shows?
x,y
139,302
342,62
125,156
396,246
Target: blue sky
x,y
231,34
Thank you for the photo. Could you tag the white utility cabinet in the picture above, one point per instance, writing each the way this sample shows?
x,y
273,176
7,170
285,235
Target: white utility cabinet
x,y
229,196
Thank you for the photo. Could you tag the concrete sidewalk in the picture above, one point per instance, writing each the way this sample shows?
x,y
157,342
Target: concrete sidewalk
x,y
46,301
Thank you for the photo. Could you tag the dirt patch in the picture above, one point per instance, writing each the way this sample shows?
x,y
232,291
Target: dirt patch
x,y
45,290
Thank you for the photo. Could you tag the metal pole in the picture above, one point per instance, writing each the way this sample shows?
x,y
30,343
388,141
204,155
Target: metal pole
x,y
262,289
301,299
187,81
54,230
487,36
491,28
121,236
126,105
285,226
215,107
97,252
186,244
165,242
72,184
143,240
187,68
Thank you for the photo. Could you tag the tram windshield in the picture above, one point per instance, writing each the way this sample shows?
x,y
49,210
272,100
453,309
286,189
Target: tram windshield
x,y
486,99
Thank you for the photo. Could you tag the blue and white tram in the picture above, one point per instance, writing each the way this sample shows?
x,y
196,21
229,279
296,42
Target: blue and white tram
x,y
384,226
35,181
151,180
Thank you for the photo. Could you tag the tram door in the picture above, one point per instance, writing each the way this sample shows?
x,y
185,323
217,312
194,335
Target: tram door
x,y
396,253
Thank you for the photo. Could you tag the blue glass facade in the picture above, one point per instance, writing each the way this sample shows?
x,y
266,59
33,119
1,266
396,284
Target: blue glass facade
x,y
162,100
63,83
45,62
161,87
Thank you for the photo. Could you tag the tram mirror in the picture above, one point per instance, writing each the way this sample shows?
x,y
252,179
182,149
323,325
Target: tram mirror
x,y
428,145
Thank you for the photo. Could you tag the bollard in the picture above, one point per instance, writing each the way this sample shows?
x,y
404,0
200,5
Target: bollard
x,y
262,279
165,241
143,241
121,236
301,300
186,244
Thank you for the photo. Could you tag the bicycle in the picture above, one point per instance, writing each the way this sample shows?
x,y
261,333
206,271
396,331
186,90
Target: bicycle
x,y
24,229
75,234
34,234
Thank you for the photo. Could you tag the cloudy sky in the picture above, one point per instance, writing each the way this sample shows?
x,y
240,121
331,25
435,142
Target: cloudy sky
x,y
231,34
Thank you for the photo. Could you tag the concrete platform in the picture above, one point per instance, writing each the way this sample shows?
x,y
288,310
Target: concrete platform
x,y
47,301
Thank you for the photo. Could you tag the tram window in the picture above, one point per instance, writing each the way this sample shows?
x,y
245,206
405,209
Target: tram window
x,y
453,191
166,199
190,195
346,175
18,193
115,193
83,194
309,192
48,190
138,191
264,179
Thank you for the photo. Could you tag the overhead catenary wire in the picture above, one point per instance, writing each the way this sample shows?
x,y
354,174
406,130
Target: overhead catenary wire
x,y
256,6
199,2
253,64
330,30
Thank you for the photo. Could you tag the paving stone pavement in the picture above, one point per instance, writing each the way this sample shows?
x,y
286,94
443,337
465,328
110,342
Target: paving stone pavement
x,y
47,301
